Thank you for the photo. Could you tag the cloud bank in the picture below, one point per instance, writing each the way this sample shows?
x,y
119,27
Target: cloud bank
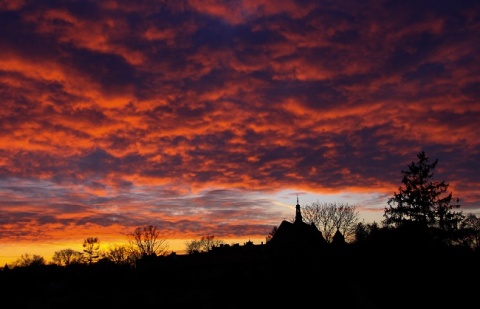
x,y
191,115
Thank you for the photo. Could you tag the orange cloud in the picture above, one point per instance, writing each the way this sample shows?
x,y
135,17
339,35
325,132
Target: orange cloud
x,y
194,115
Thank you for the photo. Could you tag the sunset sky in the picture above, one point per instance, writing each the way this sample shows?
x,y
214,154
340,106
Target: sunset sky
x,y
210,117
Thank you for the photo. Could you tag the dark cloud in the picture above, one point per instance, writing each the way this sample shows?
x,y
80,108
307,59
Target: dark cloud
x,y
194,115
111,72
97,161
472,90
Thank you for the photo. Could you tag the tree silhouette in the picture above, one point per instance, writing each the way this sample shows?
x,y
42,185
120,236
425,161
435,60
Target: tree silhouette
x,y
29,260
330,217
205,244
121,255
272,232
91,249
67,257
148,241
470,232
193,246
422,200
364,231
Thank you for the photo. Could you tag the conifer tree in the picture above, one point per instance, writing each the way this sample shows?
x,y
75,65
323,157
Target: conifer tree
x,y
421,199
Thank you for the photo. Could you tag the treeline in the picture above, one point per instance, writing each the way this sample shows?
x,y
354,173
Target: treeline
x,y
144,241
388,268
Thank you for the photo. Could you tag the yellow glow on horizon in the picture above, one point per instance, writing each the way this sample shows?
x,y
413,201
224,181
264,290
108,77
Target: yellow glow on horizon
x,y
9,253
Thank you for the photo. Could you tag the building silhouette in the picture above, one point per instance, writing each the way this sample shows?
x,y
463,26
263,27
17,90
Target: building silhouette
x,y
297,237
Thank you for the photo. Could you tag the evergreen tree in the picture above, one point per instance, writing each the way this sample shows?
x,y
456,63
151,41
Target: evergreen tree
x,y
421,199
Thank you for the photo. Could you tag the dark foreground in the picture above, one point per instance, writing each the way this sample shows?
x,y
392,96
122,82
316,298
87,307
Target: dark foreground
x,y
342,280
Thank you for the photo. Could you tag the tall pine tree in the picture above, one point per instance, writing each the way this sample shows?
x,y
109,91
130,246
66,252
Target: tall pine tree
x,y
422,200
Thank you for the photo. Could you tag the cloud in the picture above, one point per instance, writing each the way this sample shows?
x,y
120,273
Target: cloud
x,y
194,114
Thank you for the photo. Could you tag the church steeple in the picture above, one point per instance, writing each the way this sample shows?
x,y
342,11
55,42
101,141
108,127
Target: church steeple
x,y
298,214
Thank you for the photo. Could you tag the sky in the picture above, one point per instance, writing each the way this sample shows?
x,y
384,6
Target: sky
x,y
212,117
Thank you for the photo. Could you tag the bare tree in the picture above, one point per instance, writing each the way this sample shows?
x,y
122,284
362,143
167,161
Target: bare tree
x,y
346,220
121,254
67,257
330,217
91,249
28,260
193,246
209,241
205,244
148,241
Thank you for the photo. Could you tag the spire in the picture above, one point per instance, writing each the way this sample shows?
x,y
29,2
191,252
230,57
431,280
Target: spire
x,y
298,214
